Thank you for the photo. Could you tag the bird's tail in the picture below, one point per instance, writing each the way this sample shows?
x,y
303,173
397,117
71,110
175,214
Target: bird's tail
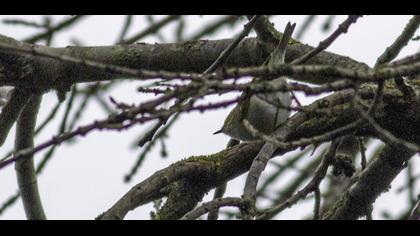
x,y
278,55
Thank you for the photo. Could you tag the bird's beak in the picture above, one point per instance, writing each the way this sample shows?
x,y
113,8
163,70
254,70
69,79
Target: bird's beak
x,y
218,132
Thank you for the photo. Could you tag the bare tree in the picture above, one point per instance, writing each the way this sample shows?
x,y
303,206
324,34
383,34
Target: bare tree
x,y
363,104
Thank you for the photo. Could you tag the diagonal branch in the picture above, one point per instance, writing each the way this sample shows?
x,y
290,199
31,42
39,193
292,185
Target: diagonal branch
x,y
312,186
53,29
371,183
342,29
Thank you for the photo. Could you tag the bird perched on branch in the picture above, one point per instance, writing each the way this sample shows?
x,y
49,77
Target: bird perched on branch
x,y
264,111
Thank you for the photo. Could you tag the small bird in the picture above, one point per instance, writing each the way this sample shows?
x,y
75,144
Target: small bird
x,y
265,112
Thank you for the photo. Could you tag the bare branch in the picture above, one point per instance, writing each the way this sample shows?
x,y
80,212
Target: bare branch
x,y
25,170
11,111
313,185
342,28
373,181
213,205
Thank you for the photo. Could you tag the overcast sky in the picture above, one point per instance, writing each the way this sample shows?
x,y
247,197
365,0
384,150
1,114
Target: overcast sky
x,y
86,178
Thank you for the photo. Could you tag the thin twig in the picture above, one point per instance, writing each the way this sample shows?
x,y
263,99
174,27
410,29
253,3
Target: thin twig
x,y
392,52
317,205
150,29
224,56
60,26
342,28
213,26
362,150
126,27
415,213
319,175
212,205
305,26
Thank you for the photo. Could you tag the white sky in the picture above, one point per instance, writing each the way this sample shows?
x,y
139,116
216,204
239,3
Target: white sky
x,y
86,178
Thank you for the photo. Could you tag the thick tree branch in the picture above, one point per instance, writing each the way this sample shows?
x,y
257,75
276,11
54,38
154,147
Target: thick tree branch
x,y
194,56
372,182
25,170
10,112
183,196
215,169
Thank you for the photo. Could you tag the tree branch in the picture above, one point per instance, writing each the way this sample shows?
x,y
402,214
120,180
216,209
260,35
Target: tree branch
x,y
11,111
25,170
63,66
372,182
312,186
215,169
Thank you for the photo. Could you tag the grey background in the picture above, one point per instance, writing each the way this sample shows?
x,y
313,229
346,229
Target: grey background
x,y
86,177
